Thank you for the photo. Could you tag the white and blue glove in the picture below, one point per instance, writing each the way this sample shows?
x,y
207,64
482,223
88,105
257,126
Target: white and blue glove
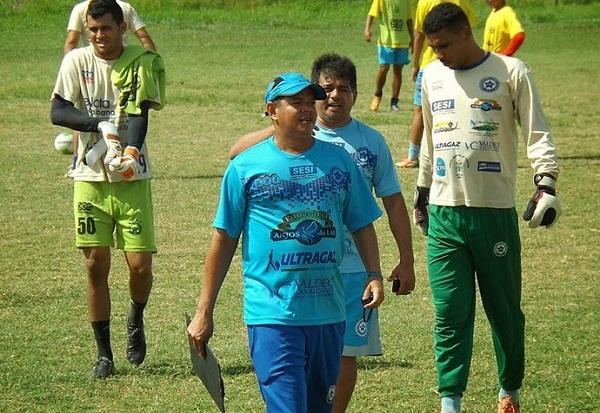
x,y
543,209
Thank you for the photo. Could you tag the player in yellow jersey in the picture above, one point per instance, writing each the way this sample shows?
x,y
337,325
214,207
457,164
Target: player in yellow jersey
x,y
395,38
422,56
503,31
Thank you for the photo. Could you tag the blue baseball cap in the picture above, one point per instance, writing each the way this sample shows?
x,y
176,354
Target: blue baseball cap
x,y
289,84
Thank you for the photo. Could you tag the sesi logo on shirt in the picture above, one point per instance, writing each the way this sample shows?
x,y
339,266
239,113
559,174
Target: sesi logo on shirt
x,y
440,105
303,170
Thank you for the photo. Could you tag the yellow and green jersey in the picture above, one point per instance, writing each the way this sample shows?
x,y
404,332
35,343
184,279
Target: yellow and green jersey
x,y
500,26
393,22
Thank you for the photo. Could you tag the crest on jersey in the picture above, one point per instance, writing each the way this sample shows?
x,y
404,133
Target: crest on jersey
x,y
489,84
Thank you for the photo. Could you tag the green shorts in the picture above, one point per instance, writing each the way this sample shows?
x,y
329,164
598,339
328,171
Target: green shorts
x,y
122,208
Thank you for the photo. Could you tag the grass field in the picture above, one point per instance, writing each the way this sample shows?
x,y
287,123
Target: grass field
x,y
219,61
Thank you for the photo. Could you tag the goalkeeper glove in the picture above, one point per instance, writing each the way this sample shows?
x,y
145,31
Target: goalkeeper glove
x,y
127,164
109,136
543,208
113,144
420,214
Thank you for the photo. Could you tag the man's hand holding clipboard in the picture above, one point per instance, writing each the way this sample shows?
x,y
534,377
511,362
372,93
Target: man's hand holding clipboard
x,y
204,362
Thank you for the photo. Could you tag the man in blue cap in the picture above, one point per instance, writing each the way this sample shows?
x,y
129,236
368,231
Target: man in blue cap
x,y
290,197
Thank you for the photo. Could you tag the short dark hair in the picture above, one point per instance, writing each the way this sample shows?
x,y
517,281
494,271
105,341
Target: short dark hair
x,y
98,8
334,65
445,16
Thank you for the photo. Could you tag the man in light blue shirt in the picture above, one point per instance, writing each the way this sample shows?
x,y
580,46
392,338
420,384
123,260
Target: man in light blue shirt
x,y
290,198
337,75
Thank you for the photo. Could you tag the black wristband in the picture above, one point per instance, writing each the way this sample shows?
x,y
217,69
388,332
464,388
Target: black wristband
x,y
375,274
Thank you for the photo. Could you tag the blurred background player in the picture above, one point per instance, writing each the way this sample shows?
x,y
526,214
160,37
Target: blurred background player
x,y
395,38
422,56
468,175
77,31
503,32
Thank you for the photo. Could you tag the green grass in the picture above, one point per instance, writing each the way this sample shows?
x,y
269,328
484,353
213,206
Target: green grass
x,y
219,61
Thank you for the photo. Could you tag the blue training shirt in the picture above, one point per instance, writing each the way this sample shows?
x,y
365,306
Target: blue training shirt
x,y
371,154
291,210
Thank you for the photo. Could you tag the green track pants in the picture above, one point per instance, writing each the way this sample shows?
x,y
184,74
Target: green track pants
x,y
468,246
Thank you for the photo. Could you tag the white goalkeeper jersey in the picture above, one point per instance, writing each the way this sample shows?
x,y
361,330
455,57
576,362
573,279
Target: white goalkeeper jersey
x,y
84,80
469,150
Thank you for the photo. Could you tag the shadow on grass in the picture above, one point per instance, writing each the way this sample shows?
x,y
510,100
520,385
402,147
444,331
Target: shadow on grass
x,y
182,177
159,368
595,157
378,363
179,369
236,370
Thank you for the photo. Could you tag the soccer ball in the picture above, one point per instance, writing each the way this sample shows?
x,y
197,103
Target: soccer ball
x,y
63,143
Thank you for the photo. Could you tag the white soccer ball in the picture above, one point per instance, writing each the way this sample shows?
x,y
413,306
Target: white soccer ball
x,y
63,143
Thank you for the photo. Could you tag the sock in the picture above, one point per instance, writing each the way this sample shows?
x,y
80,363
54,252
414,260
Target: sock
x,y
513,394
136,313
378,94
102,336
451,404
413,151
393,101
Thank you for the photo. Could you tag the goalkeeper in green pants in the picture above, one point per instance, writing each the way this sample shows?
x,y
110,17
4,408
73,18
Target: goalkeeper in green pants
x,y
472,103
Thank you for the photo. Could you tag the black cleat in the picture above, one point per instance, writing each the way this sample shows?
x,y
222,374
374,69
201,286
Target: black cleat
x,y
103,369
136,344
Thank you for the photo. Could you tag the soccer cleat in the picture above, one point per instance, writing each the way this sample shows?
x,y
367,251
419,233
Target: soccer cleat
x,y
375,103
507,405
394,107
136,343
408,163
103,369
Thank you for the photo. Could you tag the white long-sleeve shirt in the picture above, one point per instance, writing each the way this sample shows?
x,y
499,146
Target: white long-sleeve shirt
x,y
470,142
